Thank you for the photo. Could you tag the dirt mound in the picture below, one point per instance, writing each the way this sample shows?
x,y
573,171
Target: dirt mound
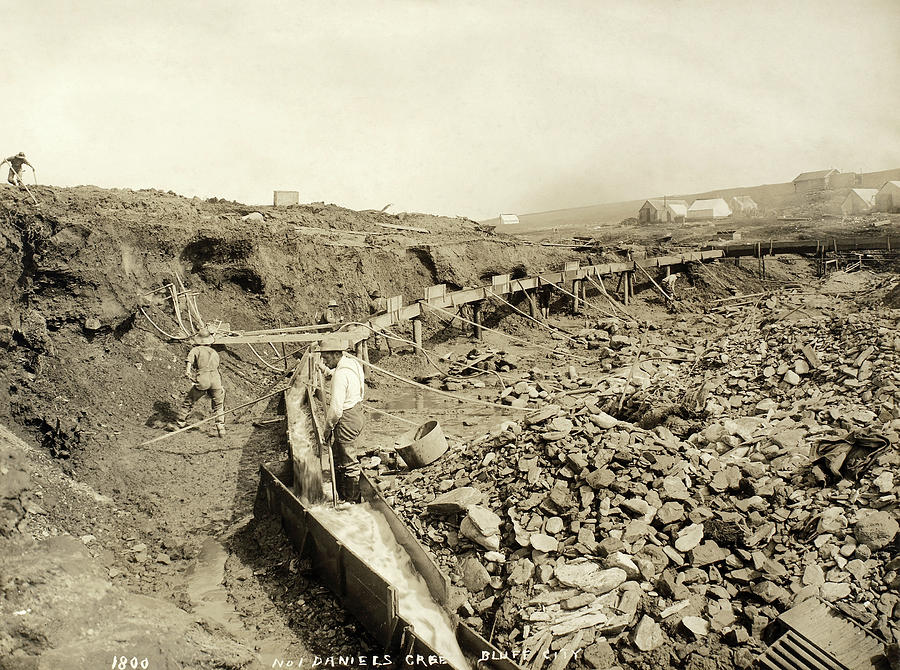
x,y
88,373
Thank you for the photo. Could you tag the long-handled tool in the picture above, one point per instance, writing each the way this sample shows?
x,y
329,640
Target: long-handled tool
x,y
25,186
165,436
330,444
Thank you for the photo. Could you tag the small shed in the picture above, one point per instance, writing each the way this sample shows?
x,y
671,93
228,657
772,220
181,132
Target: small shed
x,y
676,212
859,201
888,197
507,219
286,198
744,205
657,210
814,181
714,208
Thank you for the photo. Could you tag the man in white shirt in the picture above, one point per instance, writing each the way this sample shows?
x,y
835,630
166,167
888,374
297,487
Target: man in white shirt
x,y
344,419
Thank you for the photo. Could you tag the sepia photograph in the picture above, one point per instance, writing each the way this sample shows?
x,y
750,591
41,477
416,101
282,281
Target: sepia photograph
x,y
451,335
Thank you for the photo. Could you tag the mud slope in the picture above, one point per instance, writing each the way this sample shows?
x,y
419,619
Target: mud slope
x,y
85,378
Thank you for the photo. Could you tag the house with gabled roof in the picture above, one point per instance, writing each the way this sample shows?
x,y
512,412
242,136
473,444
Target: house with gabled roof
x,y
859,201
712,208
888,197
744,205
814,181
658,210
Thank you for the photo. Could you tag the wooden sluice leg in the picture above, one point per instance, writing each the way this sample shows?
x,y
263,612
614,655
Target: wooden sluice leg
x,y
417,333
476,318
576,295
533,309
362,353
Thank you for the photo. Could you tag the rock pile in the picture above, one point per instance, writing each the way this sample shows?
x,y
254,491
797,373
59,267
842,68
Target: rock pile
x,y
592,538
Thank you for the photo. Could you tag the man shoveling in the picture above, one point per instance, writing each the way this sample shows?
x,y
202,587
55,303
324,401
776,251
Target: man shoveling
x,y
202,368
669,284
15,169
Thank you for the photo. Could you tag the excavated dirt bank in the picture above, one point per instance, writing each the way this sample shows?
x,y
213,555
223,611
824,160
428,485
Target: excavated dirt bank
x,y
85,377
90,521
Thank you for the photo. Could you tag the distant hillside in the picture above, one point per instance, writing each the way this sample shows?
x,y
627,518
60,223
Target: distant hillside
x,y
780,197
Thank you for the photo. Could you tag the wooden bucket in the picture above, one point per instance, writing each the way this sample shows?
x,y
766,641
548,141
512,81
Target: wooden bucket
x,y
424,445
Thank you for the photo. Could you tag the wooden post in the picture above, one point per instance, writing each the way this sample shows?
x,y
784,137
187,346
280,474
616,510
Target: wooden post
x,y
576,293
625,288
417,333
476,317
362,353
533,310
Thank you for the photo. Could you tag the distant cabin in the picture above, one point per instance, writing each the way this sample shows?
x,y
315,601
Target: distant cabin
x,y
286,198
658,210
715,208
814,181
508,219
859,201
744,205
888,197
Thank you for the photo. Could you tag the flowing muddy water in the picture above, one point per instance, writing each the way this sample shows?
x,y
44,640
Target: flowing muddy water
x,y
308,480
367,533
210,600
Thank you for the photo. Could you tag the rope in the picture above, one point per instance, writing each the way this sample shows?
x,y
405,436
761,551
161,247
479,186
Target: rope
x,y
166,436
572,295
153,323
386,335
599,285
500,332
548,326
375,410
438,391
263,361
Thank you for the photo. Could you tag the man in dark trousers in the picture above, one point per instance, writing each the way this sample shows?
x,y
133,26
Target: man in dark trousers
x,y
344,419
202,368
15,168
377,306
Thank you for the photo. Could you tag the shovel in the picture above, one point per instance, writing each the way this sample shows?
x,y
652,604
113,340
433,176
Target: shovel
x,y
25,186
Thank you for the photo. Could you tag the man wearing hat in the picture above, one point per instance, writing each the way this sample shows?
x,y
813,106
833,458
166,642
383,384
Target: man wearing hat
x,y
378,306
202,368
344,419
15,168
330,317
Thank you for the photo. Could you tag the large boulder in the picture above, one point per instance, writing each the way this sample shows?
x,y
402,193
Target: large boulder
x,y
875,529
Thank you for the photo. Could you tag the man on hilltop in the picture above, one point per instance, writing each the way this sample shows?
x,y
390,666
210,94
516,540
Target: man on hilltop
x,y
15,168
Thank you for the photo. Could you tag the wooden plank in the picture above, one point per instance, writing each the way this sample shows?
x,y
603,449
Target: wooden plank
x,y
353,336
436,291
407,228
438,583
839,637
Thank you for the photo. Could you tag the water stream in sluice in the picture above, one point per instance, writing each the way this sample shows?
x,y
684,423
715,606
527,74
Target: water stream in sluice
x,y
365,532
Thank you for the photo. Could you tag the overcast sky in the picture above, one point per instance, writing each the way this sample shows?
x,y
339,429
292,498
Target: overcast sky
x,y
468,108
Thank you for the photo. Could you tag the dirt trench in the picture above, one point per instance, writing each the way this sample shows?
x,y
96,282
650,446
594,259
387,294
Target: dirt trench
x,y
86,377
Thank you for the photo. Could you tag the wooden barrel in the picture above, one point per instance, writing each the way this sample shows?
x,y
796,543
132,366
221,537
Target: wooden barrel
x,y
426,444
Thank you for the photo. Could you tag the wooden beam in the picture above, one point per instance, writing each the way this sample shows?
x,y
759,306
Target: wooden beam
x,y
407,228
353,336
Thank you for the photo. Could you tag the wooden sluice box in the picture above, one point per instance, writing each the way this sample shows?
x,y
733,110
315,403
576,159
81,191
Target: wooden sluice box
x,y
358,587
353,580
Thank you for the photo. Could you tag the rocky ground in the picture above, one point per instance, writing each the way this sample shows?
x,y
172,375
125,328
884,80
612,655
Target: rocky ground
x,y
666,510
112,547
